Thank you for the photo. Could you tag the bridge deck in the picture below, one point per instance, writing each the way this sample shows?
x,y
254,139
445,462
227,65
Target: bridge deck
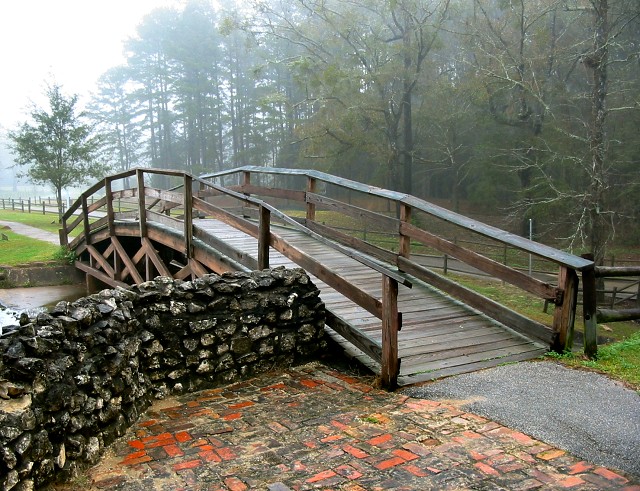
x,y
439,337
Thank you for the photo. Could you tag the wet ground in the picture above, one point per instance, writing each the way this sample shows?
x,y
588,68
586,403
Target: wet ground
x,y
35,299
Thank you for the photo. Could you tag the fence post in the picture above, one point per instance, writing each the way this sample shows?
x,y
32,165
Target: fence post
x,y
29,205
565,313
391,324
264,237
44,211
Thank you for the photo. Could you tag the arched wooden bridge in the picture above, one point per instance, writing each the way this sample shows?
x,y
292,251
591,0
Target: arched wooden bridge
x,y
384,306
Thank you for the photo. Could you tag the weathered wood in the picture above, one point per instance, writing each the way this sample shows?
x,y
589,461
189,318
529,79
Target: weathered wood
x,y
620,315
155,259
366,301
85,219
188,216
405,240
354,242
363,215
311,207
493,309
390,326
363,342
482,263
224,216
109,202
537,249
565,313
142,210
264,238
99,275
101,260
130,267
198,269
589,312
618,271
272,192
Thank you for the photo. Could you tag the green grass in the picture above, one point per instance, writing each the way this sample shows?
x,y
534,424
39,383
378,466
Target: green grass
x,y
620,361
22,250
48,222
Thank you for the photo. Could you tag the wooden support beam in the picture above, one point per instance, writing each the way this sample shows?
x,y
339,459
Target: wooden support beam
x,y
110,214
609,315
589,312
101,260
368,346
197,269
188,216
405,240
390,368
142,209
565,314
311,207
264,238
155,259
99,275
130,268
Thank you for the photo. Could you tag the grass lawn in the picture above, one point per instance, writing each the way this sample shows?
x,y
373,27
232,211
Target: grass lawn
x,y
621,361
21,250
48,222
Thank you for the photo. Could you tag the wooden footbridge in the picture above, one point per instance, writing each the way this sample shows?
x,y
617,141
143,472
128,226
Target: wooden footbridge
x,y
384,306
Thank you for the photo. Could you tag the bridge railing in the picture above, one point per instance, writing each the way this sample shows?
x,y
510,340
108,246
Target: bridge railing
x,y
176,208
418,223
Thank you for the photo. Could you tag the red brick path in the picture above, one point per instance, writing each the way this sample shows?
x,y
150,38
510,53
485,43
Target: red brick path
x,y
315,428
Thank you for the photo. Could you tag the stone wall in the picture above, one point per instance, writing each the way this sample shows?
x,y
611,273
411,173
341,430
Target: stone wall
x,y
73,380
39,274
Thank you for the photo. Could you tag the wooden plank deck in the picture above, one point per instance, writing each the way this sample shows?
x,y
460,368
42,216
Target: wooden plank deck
x,y
439,337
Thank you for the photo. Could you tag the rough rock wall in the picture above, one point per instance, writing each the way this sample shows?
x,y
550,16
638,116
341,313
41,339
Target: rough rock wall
x,y
73,380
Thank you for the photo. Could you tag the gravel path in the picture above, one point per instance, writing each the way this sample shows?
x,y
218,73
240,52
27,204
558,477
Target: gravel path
x,y
583,412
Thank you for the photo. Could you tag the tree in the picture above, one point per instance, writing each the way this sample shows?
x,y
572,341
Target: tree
x,y
57,147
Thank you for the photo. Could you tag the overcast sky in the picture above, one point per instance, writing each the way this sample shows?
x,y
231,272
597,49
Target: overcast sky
x,y
70,41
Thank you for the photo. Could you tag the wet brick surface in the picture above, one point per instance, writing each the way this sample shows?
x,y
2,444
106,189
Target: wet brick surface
x,y
313,427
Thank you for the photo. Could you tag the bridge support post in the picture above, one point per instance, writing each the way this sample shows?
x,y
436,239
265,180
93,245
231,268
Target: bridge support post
x,y
565,313
264,238
405,240
390,327
589,312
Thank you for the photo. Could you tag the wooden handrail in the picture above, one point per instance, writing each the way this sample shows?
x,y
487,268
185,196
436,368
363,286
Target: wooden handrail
x,y
545,252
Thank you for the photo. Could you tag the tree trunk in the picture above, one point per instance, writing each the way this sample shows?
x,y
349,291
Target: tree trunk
x,y
597,63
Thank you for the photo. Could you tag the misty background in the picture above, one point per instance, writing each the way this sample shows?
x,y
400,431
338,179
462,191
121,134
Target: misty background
x,y
505,110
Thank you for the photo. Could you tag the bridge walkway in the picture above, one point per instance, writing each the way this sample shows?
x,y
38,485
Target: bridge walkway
x,y
440,336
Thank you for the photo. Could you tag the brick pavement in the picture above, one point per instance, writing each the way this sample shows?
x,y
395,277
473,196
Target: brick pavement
x,y
313,427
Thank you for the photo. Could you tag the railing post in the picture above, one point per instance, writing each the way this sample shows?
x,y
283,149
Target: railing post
x,y
311,207
405,240
589,312
391,324
62,232
110,214
264,237
565,313
142,209
85,219
188,216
